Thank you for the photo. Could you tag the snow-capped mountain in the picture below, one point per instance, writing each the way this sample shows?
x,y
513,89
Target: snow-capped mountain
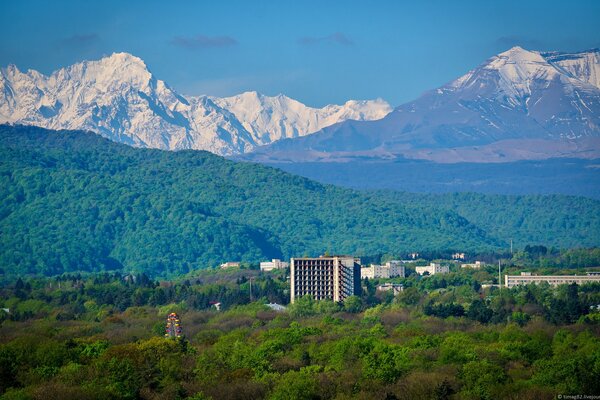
x,y
119,98
519,104
269,119
584,66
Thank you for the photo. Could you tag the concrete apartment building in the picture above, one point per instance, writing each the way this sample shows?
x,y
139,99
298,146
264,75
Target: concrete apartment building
x,y
477,265
432,269
273,264
554,280
324,278
391,269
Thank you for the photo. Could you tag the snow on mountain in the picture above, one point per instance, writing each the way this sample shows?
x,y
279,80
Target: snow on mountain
x,y
119,98
584,66
517,95
269,119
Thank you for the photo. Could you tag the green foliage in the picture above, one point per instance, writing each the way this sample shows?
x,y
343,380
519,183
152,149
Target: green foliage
x,y
479,311
296,385
303,307
385,362
312,350
481,378
353,304
444,310
574,366
76,202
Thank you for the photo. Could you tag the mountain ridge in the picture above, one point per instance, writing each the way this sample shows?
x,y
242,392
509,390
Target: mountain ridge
x,y
119,98
75,201
515,95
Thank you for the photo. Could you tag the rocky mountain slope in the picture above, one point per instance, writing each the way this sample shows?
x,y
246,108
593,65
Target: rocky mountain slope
x,y
517,105
119,98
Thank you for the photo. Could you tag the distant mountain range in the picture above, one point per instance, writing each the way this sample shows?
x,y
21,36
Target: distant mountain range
x,y
518,105
120,99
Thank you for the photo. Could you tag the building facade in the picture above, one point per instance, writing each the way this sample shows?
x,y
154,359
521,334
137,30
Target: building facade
x,y
391,269
273,264
395,288
324,278
432,269
477,265
554,280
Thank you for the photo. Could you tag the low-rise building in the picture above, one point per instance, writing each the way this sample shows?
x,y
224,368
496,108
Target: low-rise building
x,y
458,256
432,269
390,287
230,264
476,265
273,264
554,280
391,269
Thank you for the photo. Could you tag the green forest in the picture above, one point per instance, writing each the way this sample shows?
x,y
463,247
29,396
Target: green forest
x,y
73,201
101,336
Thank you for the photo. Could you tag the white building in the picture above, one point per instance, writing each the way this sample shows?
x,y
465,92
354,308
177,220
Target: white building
x,y
477,265
230,264
554,280
273,264
391,269
432,269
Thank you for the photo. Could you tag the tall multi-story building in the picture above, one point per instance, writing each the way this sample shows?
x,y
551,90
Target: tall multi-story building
x,y
325,278
273,264
432,269
391,269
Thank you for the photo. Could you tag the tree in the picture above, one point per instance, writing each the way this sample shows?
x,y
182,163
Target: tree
x,y
480,378
353,304
479,311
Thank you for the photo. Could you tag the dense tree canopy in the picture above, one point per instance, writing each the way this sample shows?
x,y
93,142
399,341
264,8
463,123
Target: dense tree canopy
x,y
101,336
72,201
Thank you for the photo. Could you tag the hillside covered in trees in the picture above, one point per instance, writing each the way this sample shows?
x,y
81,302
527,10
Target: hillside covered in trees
x,y
72,201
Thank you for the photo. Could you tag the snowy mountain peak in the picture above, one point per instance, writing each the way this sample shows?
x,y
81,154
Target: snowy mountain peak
x,y
519,54
119,98
117,68
584,65
510,75
11,69
123,57
517,104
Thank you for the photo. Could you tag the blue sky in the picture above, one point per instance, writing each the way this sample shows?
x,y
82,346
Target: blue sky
x,y
318,52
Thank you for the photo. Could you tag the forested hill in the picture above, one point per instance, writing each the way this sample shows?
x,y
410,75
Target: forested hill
x,y
72,201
